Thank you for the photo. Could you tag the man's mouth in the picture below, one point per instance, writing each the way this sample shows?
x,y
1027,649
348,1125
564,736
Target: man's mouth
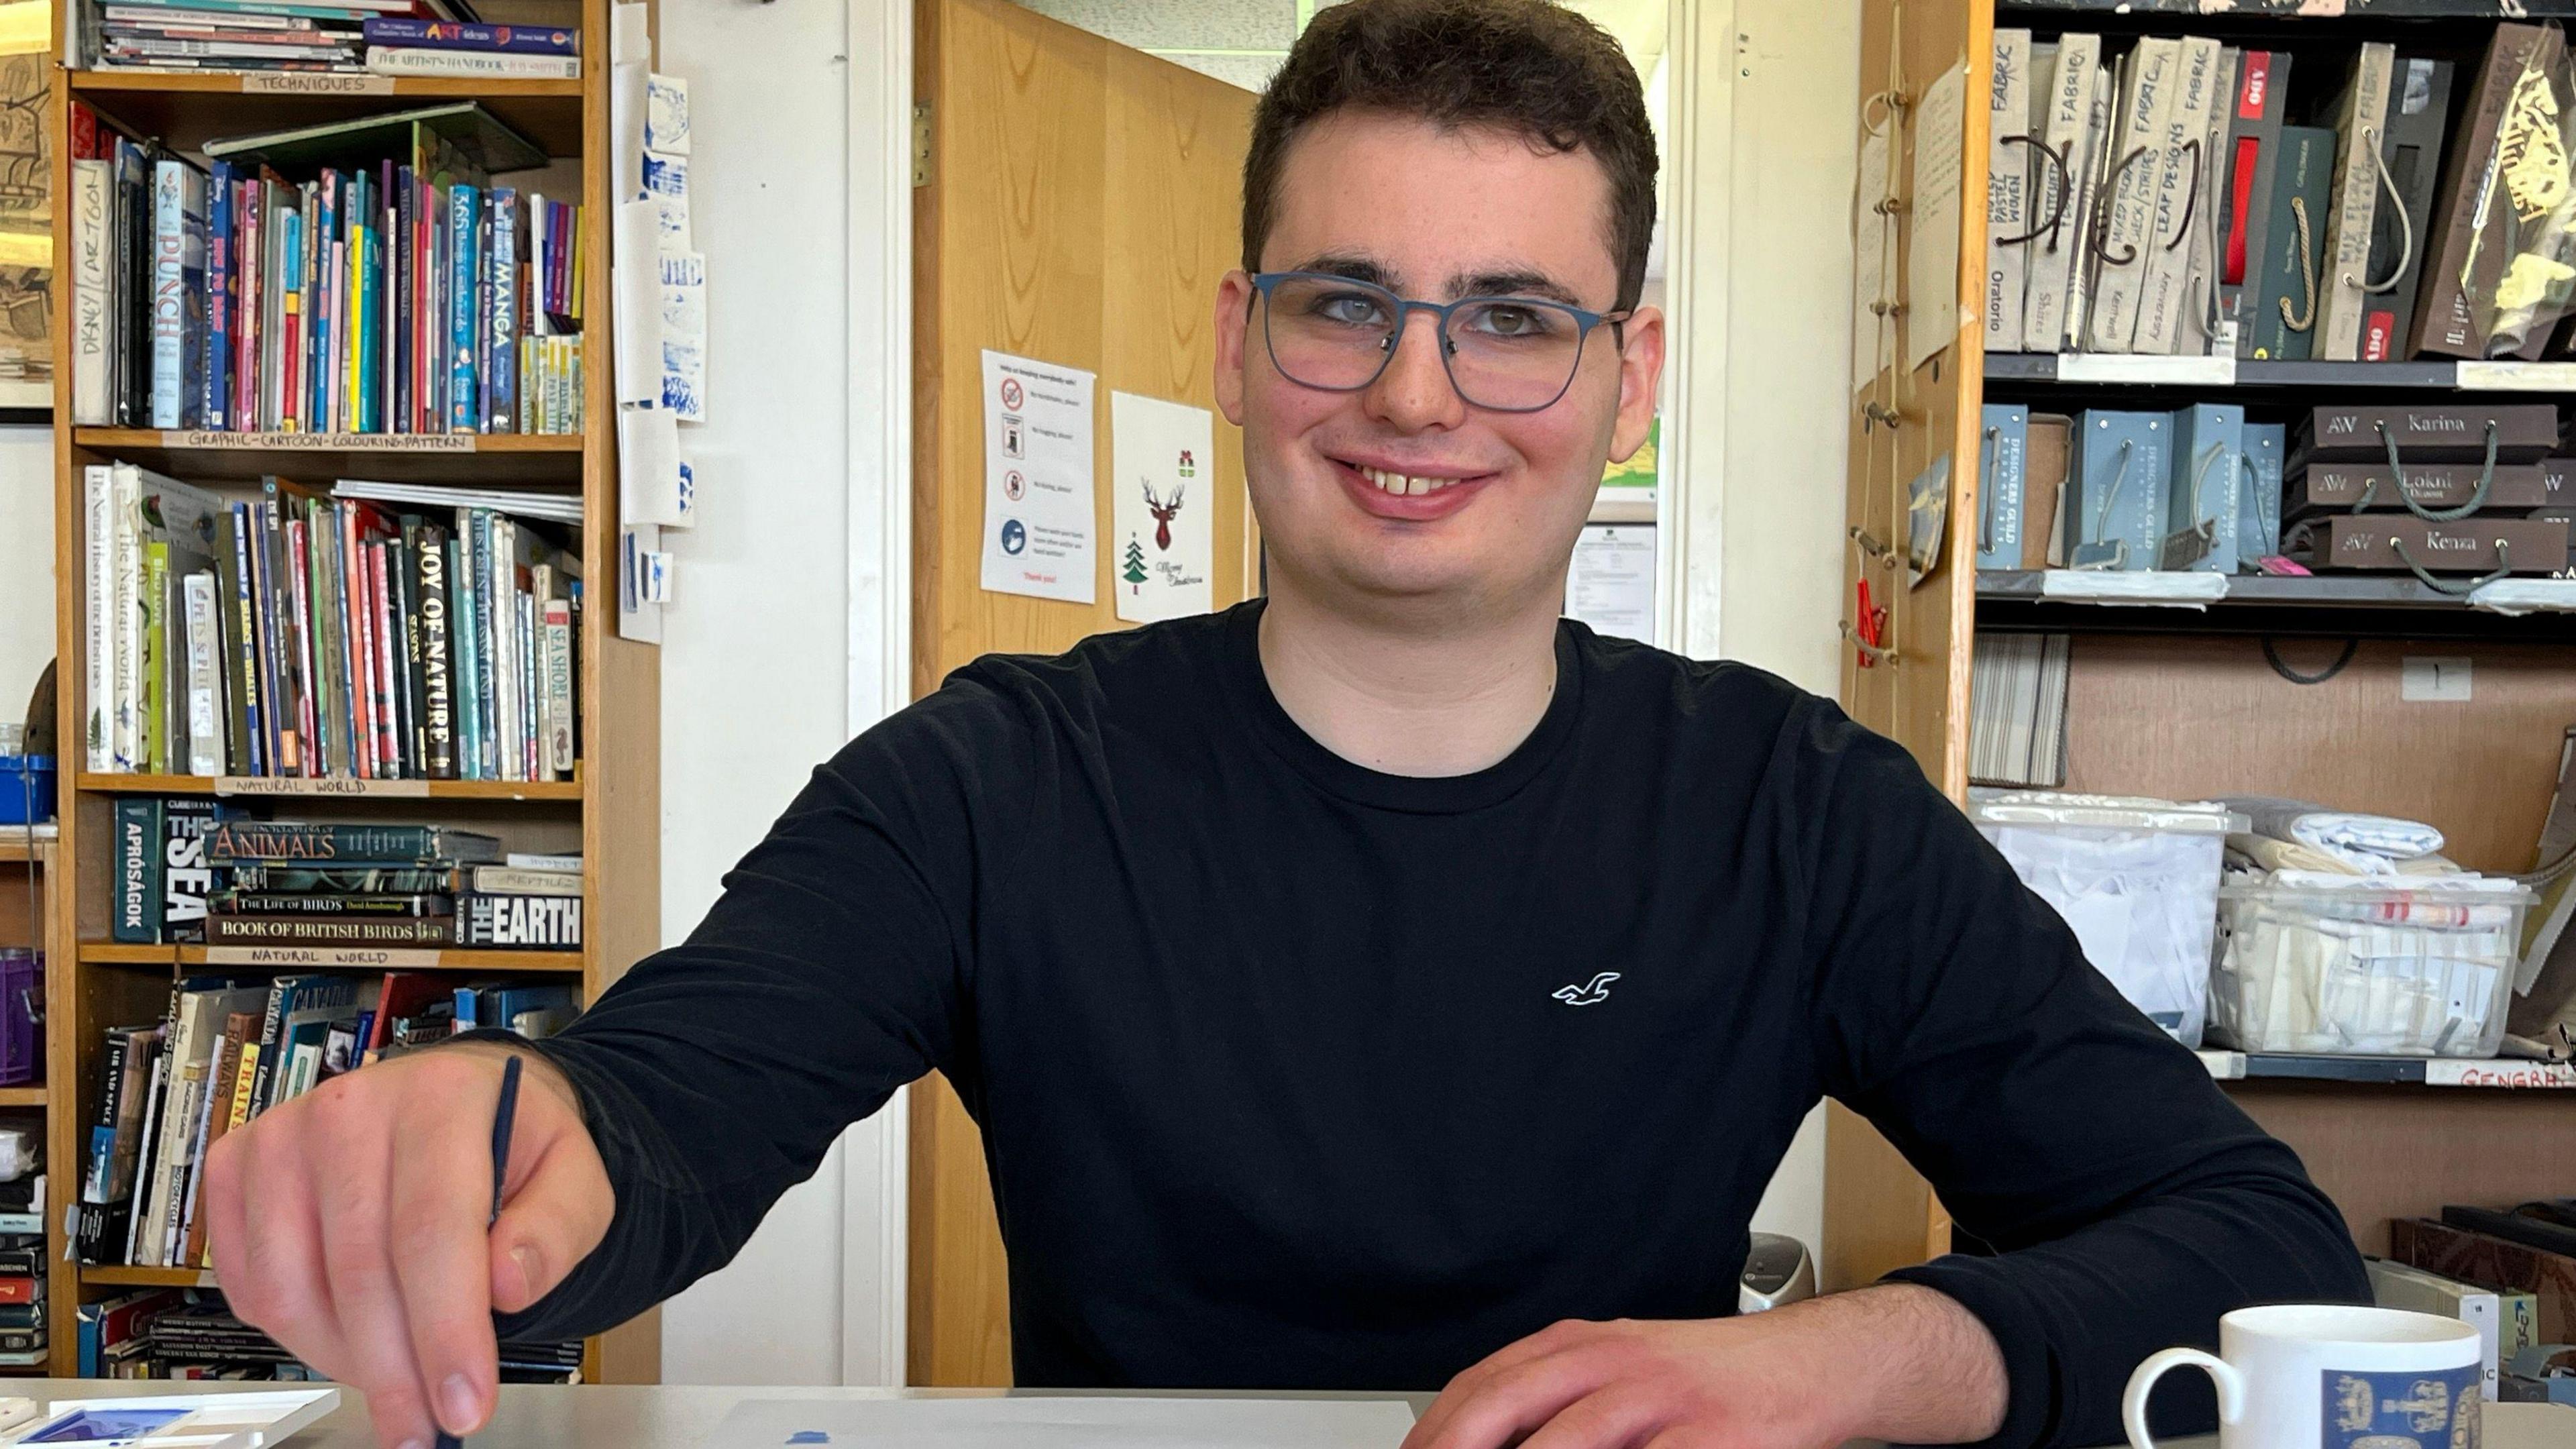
x,y
1405,496
1409,484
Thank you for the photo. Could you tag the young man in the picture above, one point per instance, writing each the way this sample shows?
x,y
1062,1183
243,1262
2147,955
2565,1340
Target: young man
x,y
1357,983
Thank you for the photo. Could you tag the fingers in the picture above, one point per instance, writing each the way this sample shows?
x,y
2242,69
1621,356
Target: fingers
x,y
272,1278
357,1255
1612,1418
439,1196
558,1210
1486,1408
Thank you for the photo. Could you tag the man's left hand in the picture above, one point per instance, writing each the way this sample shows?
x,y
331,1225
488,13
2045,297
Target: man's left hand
x,y
1893,1362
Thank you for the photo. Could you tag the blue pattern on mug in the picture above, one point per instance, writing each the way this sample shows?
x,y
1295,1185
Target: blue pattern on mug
x,y
2421,1409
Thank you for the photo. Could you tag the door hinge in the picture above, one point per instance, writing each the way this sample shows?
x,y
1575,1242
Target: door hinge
x,y
921,143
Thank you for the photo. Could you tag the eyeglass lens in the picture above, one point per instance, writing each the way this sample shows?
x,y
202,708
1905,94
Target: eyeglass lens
x,y
1506,354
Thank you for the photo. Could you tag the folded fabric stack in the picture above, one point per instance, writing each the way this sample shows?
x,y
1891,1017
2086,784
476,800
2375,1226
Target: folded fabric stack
x,y
2294,835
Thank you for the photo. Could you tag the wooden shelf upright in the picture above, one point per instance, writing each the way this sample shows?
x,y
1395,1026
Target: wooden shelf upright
x,y
2183,703
610,811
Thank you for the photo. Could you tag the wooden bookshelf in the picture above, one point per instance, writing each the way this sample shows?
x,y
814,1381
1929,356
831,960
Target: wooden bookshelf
x,y
610,811
2183,702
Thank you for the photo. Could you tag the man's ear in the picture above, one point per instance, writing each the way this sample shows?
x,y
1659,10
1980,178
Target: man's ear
x,y
1641,371
1233,320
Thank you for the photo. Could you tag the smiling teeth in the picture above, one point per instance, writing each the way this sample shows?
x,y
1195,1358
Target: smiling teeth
x,y
1404,484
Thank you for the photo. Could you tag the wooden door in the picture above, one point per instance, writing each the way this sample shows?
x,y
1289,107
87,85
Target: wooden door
x,y
1082,201
1913,686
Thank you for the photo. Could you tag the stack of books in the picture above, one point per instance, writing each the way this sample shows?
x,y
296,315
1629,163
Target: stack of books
x,y
298,884
295,635
401,45
248,35
22,1268
230,1050
189,1333
2180,196
362,276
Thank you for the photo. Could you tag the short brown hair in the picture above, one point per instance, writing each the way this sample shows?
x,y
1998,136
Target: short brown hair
x,y
1524,66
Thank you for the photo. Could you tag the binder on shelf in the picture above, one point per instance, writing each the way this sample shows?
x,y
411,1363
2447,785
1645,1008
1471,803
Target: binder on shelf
x,y
2136,169
2207,484
2115,493
2175,214
2419,104
2244,208
2008,204
2201,330
2061,190
2327,484
2258,516
2360,113
2401,541
2457,315
1999,485
2287,308
2437,432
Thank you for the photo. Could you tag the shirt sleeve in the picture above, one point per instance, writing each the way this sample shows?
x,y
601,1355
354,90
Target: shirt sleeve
x,y
2129,1203
832,970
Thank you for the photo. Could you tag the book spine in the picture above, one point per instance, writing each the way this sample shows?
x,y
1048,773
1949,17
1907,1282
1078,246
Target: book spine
x,y
500,409
250,258
410,611
213,396
559,688
138,870
205,704
186,879
380,567
462,331
93,291
99,589
260,1058
169,291
322,844
280,717
2446,318
331,903
467,649
544,923
438,701
450,35
423,61
328,931
2419,103
151,742
129,615
302,621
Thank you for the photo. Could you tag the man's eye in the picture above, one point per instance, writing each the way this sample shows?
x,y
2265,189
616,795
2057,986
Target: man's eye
x,y
1349,308
1507,320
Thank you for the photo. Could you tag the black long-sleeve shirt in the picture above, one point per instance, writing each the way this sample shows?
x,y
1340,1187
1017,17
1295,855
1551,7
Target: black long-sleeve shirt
x,y
1293,1074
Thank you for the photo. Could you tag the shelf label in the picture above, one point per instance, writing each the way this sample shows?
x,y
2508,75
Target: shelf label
x,y
396,957
2450,1073
320,442
2124,367
335,785
2511,375
315,83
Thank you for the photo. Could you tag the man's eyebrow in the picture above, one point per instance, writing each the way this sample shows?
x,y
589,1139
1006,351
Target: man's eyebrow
x,y
1512,284
1357,268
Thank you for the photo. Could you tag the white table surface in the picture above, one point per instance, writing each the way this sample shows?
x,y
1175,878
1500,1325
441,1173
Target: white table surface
x,y
598,1416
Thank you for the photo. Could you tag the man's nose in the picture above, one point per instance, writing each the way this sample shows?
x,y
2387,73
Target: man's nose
x,y
1413,393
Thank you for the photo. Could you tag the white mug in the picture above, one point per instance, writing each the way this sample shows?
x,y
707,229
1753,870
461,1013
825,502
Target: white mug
x,y
2320,1376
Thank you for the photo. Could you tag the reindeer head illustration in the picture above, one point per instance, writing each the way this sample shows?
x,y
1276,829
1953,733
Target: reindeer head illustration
x,y
1163,513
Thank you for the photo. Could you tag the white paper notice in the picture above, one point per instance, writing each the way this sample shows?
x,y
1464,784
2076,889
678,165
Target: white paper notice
x,y
1161,506
1873,339
1611,585
1046,1422
1038,519
648,468
638,276
629,91
630,34
1932,217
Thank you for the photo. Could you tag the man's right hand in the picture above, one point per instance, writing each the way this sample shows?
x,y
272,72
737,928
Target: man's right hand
x,y
349,1223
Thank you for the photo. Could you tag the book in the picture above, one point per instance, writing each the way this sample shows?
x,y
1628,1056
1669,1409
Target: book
x,y
2201,326
2291,276
2008,201
186,876
329,931
521,39
2430,432
2017,711
138,870
145,509
2419,107
2360,112
281,842
2188,110
2245,213
2327,484
94,273
102,1219
2208,474
331,903
178,289
2477,280
423,60
2066,142
519,921
205,710
2146,112
1999,486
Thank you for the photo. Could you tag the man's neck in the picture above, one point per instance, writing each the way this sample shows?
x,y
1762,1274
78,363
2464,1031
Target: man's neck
x,y
1440,699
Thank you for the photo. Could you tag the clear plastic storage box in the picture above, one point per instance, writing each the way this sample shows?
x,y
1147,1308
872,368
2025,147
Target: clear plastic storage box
x,y
2137,880
2370,969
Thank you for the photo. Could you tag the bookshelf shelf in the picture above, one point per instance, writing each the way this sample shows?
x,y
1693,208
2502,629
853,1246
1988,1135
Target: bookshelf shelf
x,y
310,790
379,958
2438,1073
512,459
113,953
147,1277
186,109
2021,371
2333,605
22,1096
2302,10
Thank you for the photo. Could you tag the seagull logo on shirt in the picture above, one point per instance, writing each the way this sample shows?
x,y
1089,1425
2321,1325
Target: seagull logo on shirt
x,y
1590,993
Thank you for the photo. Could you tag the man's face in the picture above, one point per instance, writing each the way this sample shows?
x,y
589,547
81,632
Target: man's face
x,y
1435,215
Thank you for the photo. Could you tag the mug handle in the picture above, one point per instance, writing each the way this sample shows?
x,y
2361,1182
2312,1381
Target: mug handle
x,y
2133,1403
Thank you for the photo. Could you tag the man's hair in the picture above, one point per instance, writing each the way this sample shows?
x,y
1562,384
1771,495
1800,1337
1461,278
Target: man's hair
x,y
1526,67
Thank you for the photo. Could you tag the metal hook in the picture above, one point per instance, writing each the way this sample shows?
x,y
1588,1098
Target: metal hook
x,y
2065,190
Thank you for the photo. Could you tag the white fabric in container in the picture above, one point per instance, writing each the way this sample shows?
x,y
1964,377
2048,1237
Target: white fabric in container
x,y
2315,963
2142,901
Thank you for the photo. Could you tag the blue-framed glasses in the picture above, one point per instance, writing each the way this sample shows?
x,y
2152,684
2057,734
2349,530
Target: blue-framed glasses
x,y
1504,354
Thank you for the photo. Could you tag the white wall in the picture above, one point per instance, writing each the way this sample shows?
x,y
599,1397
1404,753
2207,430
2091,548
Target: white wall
x,y
754,684
26,564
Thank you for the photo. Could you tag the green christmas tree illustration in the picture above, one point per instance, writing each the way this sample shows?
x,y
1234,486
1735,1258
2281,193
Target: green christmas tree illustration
x,y
1134,573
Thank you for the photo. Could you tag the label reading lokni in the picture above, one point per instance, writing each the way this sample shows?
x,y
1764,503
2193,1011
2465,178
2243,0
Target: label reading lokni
x,y
2421,1409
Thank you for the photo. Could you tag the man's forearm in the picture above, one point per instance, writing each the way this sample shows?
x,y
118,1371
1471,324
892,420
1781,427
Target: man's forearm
x,y
1916,1366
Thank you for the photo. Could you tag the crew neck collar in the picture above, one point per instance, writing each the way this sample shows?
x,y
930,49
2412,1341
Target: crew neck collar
x,y
1413,794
